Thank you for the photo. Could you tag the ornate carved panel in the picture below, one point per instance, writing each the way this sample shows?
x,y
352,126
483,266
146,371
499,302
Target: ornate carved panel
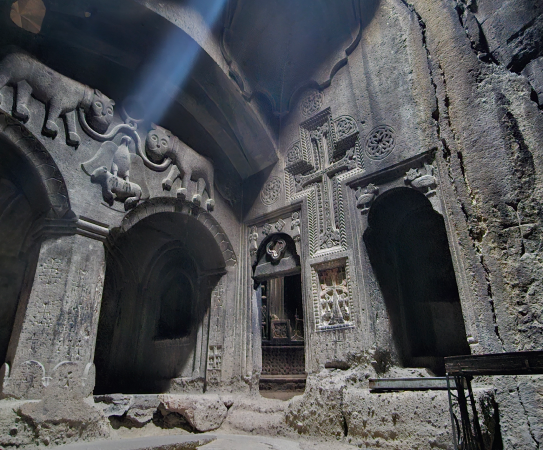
x,y
331,284
334,148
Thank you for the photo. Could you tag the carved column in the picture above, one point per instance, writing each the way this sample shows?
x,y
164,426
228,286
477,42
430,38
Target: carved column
x,y
52,348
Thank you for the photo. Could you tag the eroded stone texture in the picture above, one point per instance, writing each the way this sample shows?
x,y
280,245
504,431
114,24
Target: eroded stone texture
x,y
155,195
204,413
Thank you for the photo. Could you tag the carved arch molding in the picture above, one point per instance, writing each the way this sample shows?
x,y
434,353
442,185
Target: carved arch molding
x,y
161,205
34,152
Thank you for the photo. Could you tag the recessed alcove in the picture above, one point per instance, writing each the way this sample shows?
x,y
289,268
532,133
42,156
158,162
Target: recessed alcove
x,y
408,249
159,278
23,202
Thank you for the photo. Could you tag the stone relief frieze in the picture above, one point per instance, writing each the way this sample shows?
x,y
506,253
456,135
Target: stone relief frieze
x,y
380,142
118,169
161,145
365,197
61,95
425,182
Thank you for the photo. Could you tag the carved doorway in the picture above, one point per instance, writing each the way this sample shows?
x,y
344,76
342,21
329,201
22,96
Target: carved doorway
x,y
278,286
408,249
154,321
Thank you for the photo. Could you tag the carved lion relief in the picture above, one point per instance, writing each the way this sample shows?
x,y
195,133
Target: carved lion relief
x,y
61,95
187,165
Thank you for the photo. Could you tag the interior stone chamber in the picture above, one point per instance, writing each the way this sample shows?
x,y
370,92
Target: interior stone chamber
x,y
235,214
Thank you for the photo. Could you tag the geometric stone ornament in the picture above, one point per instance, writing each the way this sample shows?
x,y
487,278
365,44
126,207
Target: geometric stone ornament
x,y
380,142
312,103
334,149
271,191
299,160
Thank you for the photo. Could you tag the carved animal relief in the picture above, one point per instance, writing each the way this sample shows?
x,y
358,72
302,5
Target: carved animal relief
x,y
61,95
364,198
187,165
111,168
426,182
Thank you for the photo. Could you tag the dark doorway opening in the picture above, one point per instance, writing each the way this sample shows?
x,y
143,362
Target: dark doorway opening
x,y
154,323
409,252
279,294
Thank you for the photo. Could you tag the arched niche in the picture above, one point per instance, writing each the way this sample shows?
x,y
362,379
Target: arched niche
x,y
408,249
32,191
160,273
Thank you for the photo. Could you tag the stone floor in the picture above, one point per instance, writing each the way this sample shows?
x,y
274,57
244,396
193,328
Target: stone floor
x,y
205,441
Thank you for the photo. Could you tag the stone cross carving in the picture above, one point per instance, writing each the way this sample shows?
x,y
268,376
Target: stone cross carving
x,y
334,297
327,149
215,357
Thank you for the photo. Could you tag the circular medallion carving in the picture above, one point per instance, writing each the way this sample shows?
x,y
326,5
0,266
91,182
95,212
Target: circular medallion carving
x,y
294,154
312,103
380,142
270,191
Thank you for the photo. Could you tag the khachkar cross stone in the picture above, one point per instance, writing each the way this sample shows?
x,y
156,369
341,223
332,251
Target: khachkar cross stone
x,y
328,149
334,298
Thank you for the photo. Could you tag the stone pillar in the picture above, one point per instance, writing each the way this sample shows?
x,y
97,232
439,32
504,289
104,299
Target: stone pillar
x,y
57,330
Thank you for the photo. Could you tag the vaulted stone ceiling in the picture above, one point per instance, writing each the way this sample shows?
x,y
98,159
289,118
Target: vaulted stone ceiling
x,y
278,47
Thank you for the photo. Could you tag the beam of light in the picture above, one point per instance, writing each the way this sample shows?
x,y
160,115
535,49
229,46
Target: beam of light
x,y
172,65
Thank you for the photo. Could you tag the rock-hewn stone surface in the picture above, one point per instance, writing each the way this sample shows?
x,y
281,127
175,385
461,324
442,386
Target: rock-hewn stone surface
x,y
400,156
203,412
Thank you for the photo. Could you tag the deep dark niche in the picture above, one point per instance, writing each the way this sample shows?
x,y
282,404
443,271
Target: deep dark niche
x,y
409,252
176,302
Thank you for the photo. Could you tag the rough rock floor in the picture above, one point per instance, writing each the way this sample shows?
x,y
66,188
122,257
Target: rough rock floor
x,y
207,441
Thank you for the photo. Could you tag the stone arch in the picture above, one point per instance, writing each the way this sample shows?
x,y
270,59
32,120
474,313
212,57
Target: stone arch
x,y
159,205
32,190
162,265
409,252
33,154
